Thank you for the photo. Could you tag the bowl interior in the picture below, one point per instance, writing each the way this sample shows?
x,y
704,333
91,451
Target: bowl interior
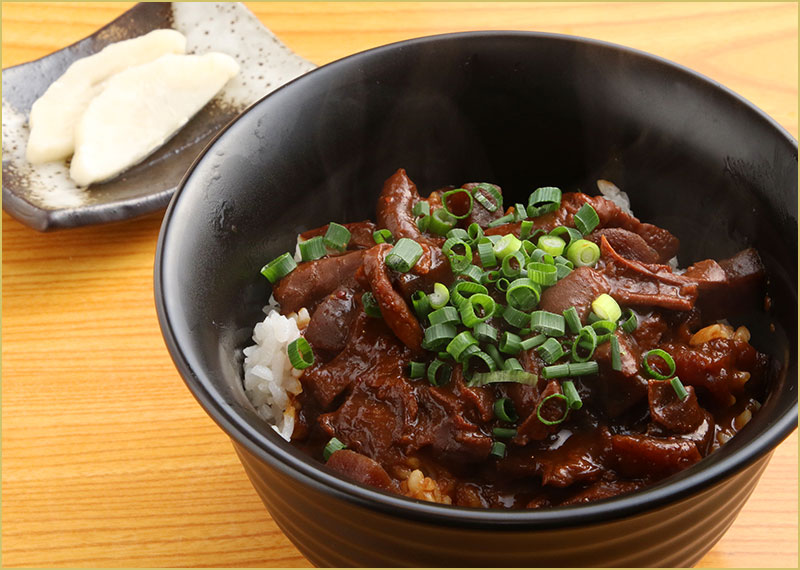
x,y
519,109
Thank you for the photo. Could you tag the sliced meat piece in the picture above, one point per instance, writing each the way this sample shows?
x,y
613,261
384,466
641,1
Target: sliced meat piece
x,y
431,268
360,234
330,323
578,289
372,351
361,469
312,281
639,284
626,243
742,289
672,413
532,428
603,490
642,456
395,209
394,308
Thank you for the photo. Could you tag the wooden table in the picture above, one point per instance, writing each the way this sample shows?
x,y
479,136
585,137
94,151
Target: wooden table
x,y
107,458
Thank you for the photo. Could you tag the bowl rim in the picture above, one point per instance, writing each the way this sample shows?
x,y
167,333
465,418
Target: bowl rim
x,y
267,448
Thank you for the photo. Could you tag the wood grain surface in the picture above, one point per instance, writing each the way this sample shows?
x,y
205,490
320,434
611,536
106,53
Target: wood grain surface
x,y
106,458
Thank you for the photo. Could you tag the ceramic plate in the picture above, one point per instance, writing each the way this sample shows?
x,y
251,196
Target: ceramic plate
x,y
45,198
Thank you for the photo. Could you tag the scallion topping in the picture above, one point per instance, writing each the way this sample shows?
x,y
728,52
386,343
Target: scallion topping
x,y
548,323
423,223
484,333
475,359
439,373
441,222
382,236
488,196
279,267
573,320
473,273
553,245
300,354
550,350
525,229
458,261
416,369
587,338
474,232
523,294
440,296
486,253
616,354
421,304
573,235
515,317
332,446
312,249
586,219
450,193
437,336
544,200
583,253
663,355
516,376
498,449
444,316
543,274
533,341
504,433
461,290
606,308
679,388
460,343
476,309
510,343
404,255
504,410
421,208
542,403
507,245
574,401
631,322
513,264
555,371
336,236
371,307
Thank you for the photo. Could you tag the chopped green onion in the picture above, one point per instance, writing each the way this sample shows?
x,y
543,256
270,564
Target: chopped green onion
x,y
449,193
279,267
543,274
551,350
533,341
589,336
476,309
586,219
554,422
515,376
523,294
583,253
512,363
439,373
559,260
470,351
544,200
491,277
312,249
440,296
437,336
616,355
583,368
504,433
606,308
604,330
441,222
331,447
548,323
502,284
460,343
444,316
473,272
486,253
498,449
510,343
679,388
574,401
573,234
541,256
404,255
421,304
555,371
481,358
484,333
513,264
423,223
504,410
573,320
337,236
461,290
525,229
515,317
421,208
665,356
502,220
458,261
631,322
416,369
300,354
507,245
553,245
480,193
382,236
371,305
562,271
459,233
492,351
475,232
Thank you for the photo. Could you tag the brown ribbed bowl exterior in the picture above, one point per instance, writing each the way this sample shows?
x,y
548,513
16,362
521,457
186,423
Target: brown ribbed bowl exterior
x,y
518,109
334,532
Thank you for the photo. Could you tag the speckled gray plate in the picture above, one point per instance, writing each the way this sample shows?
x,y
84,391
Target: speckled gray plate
x,y
44,198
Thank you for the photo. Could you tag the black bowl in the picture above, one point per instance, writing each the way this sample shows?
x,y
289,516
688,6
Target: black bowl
x,y
522,110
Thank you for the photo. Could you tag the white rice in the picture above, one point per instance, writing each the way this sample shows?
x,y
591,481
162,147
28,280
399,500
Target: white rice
x,y
270,381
